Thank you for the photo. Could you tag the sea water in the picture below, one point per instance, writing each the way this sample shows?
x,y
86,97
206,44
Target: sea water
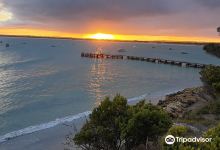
x,y
45,79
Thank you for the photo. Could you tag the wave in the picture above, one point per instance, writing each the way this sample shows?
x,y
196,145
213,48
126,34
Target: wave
x,y
43,126
136,99
18,63
154,97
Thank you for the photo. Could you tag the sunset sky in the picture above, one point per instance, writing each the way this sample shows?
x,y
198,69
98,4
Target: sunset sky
x,y
170,20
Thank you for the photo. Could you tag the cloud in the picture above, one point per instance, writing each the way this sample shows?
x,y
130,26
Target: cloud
x,y
5,15
210,3
117,16
88,9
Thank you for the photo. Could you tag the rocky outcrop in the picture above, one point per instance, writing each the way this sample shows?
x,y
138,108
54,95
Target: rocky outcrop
x,y
179,103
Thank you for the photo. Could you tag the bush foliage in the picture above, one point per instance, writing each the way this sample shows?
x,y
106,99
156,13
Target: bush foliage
x,y
114,125
213,49
210,75
213,133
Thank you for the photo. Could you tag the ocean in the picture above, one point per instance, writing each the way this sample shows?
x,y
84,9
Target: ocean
x,y
44,79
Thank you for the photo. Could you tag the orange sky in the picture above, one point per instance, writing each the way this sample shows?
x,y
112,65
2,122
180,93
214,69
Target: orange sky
x,y
142,20
48,33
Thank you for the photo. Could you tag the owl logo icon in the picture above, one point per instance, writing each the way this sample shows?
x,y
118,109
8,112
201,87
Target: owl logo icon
x,y
170,139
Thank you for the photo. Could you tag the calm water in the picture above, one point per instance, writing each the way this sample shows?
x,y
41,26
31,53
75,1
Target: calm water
x,y
45,79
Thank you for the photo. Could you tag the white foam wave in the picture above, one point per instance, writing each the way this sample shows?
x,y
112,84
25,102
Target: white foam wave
x,y
136,99
58,121
43,126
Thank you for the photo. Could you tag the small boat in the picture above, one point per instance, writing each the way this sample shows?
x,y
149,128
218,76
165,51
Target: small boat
x,y
121,50
7,45
184,53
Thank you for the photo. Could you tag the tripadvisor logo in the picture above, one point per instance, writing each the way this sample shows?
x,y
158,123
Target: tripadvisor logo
x,y
169,139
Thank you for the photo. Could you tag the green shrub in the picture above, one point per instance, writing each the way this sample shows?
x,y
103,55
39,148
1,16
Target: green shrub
x,y
114,124
177,131
213,133
210,75
212,108
213,49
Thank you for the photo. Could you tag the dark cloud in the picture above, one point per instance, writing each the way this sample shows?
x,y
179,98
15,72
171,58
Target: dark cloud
x,y
88,9
118,16
210,3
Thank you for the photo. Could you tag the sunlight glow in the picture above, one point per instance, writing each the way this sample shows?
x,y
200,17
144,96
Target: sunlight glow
x,y
102,36
51,33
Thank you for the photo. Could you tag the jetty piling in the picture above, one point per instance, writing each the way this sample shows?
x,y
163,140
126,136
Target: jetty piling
x,y
183,64
153,60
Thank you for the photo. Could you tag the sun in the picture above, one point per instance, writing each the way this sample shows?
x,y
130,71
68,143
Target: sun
x,y
102,36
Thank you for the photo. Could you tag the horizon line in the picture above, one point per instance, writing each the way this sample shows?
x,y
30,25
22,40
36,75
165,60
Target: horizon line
x,y
111,40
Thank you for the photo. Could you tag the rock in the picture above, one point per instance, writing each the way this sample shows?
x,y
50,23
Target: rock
x,y
177,104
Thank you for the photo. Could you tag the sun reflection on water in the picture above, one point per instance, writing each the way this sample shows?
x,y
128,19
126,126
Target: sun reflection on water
x,y
100,76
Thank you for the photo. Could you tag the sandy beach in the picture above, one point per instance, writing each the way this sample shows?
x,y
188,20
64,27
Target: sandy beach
x,y
49,139
54,138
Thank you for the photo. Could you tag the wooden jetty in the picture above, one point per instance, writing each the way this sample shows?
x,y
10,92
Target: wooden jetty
x,y
153,60
93,55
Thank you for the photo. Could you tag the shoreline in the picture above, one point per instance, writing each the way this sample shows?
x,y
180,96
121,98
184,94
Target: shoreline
x,y
55,138
50,139
63,125
11,138
179,103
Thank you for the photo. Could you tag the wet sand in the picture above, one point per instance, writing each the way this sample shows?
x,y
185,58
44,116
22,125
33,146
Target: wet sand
x,y
48,139
54,138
